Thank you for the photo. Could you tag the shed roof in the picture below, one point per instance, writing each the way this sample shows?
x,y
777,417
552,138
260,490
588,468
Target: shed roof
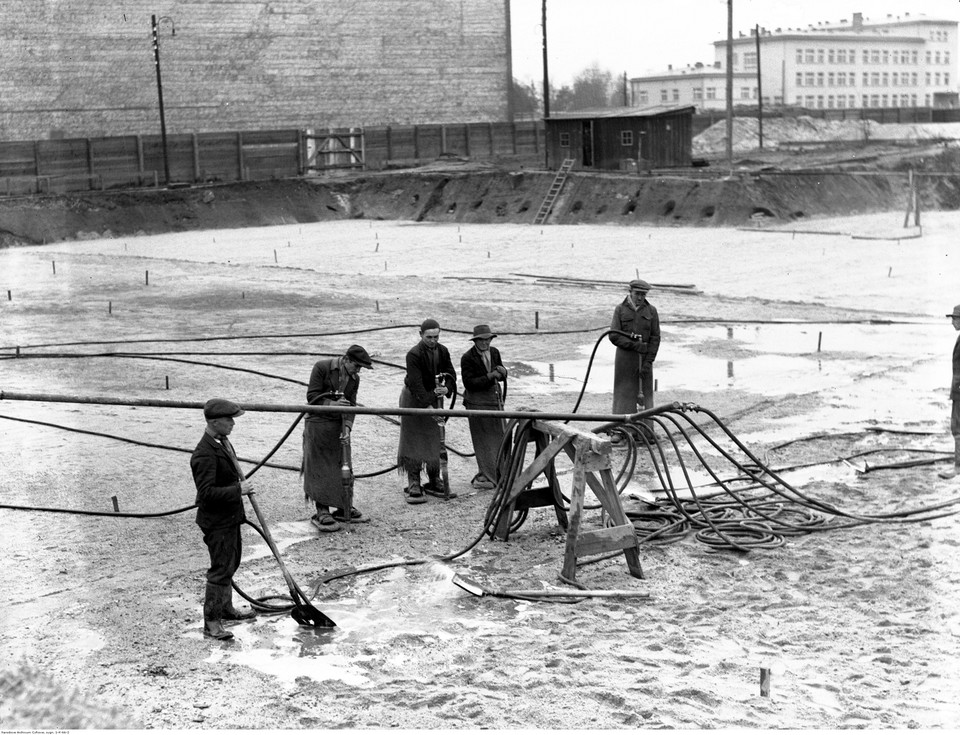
x,y
649,111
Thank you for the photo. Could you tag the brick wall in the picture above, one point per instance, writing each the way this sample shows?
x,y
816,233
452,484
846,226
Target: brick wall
x,y
83,68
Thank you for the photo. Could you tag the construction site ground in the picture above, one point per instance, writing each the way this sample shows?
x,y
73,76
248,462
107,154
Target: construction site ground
x,y
820,342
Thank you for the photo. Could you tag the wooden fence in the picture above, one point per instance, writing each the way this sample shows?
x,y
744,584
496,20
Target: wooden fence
x,y
82,164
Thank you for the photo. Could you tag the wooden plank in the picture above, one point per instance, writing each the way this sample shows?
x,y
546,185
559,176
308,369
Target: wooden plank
x,y
569,571
602,540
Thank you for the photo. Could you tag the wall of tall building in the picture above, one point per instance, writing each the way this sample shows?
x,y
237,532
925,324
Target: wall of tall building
x,y
85,68
897,62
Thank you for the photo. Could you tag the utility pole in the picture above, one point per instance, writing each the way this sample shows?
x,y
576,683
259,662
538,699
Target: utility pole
x,y
759,87
163,121
546,80
730,82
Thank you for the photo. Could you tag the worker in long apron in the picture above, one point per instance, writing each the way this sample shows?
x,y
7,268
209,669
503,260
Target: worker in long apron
x,y
637,349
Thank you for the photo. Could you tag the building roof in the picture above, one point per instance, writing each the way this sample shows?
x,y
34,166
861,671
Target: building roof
x,y
648,111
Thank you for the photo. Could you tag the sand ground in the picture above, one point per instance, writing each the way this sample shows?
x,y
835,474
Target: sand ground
x,y
805,342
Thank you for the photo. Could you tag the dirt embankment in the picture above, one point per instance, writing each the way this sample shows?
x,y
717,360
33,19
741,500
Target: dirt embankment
x,y
469,196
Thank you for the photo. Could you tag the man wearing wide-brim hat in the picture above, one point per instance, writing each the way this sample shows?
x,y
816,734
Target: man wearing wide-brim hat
x,y
333,382
955,400
221,486
482,372
635,330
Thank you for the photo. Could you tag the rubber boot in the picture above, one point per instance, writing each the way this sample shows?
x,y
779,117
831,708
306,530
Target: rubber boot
x,y
230,612
212,613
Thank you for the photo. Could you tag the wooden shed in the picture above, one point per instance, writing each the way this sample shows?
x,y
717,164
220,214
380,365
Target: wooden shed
x,y
621,138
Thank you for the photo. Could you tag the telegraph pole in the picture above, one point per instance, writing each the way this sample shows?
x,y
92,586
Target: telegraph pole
x,y
163,121
730,82
546,82
759,87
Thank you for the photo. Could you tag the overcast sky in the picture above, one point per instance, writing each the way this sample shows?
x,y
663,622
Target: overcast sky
x,y
639,36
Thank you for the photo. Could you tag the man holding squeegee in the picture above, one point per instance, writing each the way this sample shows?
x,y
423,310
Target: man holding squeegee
x,y
220,487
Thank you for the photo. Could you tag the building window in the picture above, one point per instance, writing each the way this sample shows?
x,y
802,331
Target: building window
x,y
777,99
808,56
883,101
886,57
866,79
895,79
946,79
676,95
799,55
885,79
928,58
643,97
744,93
626,137
875,56
852,80
564,140
936,57
819,78
799,79
697,93
711,93
866,56
809,101
808,79
946,57
664,95
832,56
819,55
875,79
841,56
830,101
894,57
750,60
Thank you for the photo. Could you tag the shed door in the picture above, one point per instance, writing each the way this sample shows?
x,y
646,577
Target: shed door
x,y
586,138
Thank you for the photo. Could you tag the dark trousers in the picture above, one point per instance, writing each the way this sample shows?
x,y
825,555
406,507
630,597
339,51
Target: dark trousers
x,y
225,549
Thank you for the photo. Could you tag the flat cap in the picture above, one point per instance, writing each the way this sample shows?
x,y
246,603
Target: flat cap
x,y
219,408
956,312
429,324
639,285
359,356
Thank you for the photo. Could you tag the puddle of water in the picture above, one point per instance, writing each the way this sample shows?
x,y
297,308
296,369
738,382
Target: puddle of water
x,y
404,604
772,360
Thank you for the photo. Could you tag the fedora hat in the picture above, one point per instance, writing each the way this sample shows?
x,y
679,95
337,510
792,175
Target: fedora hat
x,y
482,331
956,312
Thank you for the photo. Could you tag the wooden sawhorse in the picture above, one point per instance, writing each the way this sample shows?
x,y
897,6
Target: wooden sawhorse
x,y
591,466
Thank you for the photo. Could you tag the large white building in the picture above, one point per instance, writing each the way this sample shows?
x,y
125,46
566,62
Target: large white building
x,y
900,61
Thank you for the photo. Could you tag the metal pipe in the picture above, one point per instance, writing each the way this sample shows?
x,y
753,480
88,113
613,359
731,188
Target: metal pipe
x,y
6,395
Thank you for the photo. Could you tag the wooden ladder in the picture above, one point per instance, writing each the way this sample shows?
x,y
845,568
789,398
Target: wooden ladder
x,y
555,188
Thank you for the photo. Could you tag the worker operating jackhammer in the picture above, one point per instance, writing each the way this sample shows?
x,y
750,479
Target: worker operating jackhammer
x,y
430,376
633,364
333,381
220,487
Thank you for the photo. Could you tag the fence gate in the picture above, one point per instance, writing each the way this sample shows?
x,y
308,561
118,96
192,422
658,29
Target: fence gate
x,y
334,149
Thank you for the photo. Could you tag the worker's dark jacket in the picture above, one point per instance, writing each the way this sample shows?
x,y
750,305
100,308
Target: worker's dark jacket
x,y
955,382
479,391
219,503
329,376
421,375
643,321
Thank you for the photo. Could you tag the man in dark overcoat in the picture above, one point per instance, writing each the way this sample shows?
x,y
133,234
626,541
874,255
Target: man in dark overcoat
x,y
955,400
333,381
636,350
430,376
482,372
220,486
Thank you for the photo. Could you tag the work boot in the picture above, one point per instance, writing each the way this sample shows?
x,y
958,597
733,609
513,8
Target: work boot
x,y
230,612
413,493
212,613
434,487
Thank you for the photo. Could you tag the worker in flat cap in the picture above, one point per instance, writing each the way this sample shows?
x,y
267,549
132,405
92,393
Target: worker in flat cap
x,y
430,377
484,378
220,486
635,330
954,471
333,382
